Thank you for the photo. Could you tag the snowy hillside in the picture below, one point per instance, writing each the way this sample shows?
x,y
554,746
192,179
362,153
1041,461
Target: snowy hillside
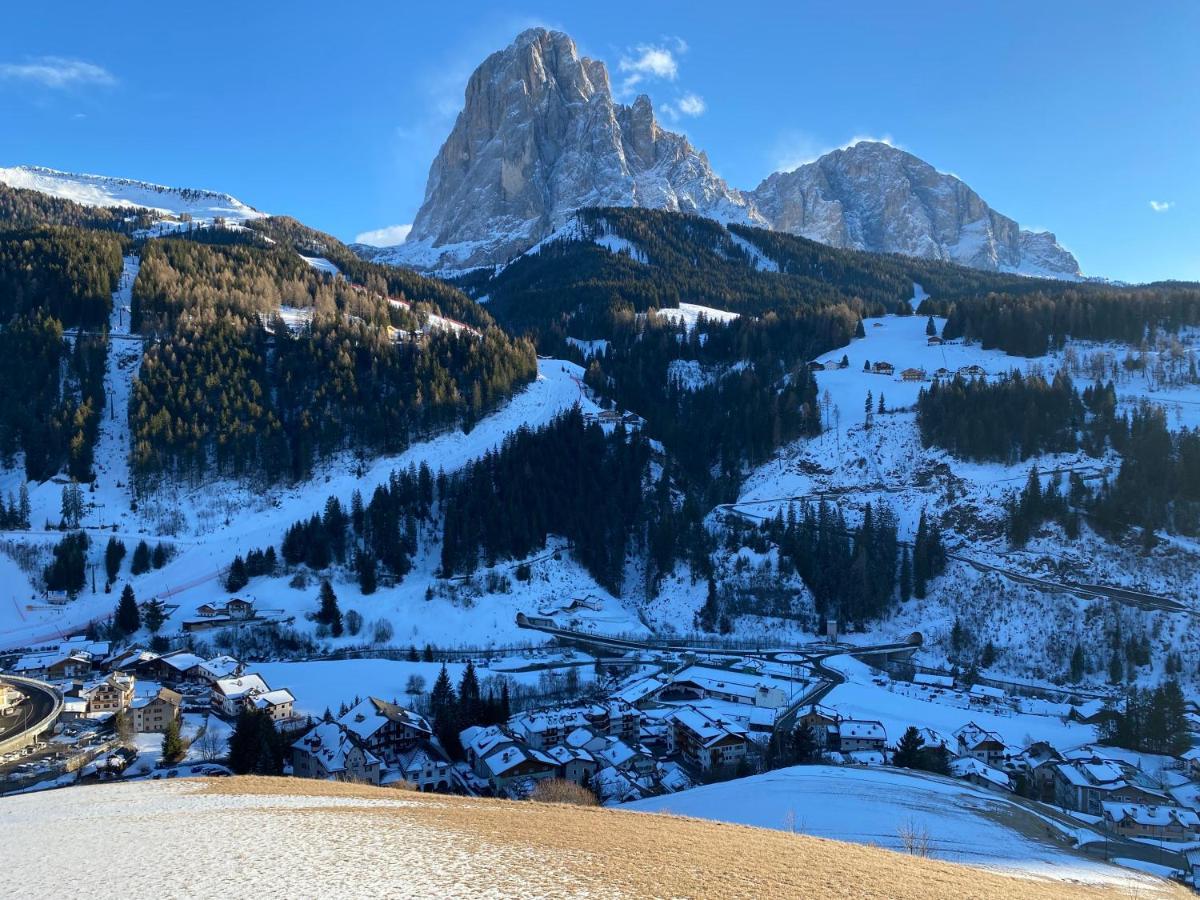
x,y
102,190
965,824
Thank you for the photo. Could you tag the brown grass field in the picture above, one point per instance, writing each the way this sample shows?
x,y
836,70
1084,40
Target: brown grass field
x,y
594,851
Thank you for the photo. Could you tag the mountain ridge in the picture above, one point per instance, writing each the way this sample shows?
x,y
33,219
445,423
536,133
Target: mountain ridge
x,y
540,135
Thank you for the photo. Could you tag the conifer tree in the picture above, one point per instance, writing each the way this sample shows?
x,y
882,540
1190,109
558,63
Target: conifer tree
x,y
140,564
155,615
114,552
172,743
908,749
128,618
329,613
237,577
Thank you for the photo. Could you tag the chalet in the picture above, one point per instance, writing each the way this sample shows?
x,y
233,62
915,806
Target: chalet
x,y
861,735
213,670
1162,823
239,609
53,665
277,704
625,757
985,695
1036,763
135,661
972,371
231,695
386,729
543,729
505,762
934,341
981,774
822,722
207,610
177,667
424,767
883,368
981,744
330,752
575,764
912,375
707,741
942,372
815,366
154,714
1085,785
111,694
1093,712
933,738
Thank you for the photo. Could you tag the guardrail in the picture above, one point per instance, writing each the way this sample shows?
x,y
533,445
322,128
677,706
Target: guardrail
x,y
26,735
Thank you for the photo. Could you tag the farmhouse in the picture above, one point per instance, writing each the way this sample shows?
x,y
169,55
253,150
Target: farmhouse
x,y
230,695
913,375
970,769
822,722
855,735
154,714
883,368
1163,823
981,744
277,704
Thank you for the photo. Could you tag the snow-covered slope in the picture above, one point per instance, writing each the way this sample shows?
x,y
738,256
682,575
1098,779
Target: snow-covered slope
x,y
301,838
102,190
873,806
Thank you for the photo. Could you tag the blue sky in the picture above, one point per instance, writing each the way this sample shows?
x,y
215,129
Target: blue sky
x,y
1079,117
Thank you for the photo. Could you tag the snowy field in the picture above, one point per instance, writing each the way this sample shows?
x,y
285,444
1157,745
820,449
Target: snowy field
x,y
965,824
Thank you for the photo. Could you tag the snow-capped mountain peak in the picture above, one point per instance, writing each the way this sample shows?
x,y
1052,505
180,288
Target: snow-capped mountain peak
x,y
106,191
540,136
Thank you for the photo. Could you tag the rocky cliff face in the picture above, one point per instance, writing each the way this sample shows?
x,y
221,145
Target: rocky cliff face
x,y
872,196
540,136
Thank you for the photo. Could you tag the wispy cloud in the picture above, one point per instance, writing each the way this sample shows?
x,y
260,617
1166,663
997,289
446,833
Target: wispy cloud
x,y
1161,205
795,148
384,237
647,62
57,72
692,105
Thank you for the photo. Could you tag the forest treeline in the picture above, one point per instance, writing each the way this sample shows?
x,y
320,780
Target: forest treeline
x,y
69,273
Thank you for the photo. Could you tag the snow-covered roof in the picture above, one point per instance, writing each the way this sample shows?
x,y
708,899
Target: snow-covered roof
x,y
163,693
972,736
276,697
967,766
982,690
331,743
507,757
862,729
563,755
234,688
219,667
1144,814
367,717
181,661
709,729
639,690
482,740
926,678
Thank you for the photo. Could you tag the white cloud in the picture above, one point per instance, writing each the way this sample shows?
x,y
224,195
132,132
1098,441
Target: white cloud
x,y
650,61
692,105
384,237
57,72
796,148
1161,205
